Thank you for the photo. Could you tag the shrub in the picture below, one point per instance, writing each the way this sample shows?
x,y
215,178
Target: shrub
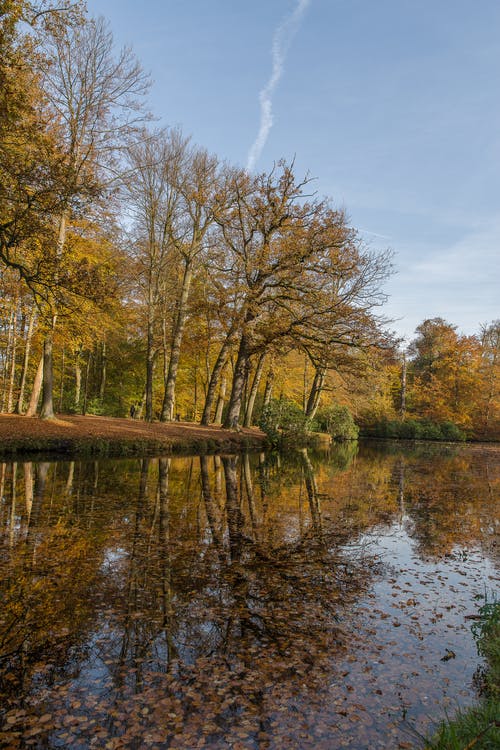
x,y
284,422
338,422
413,429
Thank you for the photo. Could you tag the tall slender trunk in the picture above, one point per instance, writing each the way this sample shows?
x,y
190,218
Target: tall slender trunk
x,y
13,351
7,357
268,390
167,412
239,378
86,387
305,384
221,400
26,359
402,405
47,410
104,362
254,389
140,408
78,380
315,393
218,367
36,390
63,375
195,392
150,363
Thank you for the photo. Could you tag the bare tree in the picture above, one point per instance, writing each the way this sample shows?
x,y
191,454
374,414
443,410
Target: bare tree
x,y
157,168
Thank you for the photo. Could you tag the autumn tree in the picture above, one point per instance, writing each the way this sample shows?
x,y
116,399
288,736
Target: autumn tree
x,y
190,241
445,367
30,156
488,417
299,271
157,167
95,96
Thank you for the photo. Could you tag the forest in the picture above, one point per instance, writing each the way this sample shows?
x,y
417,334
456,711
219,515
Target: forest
x,y
143,276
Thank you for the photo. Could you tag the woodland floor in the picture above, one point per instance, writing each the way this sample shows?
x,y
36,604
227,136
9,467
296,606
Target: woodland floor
x,y
71,434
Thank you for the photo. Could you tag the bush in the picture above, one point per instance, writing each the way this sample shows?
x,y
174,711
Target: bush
x,y
284,422
413,429
338,422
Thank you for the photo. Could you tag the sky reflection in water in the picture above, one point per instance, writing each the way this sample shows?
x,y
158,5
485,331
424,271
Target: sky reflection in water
x,y
244,601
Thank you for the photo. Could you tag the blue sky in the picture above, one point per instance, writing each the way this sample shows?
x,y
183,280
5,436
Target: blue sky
x,y
392,105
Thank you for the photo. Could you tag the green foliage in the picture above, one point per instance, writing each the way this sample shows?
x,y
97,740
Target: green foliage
x,y
487,633
413,429
284,422
478,726
338,422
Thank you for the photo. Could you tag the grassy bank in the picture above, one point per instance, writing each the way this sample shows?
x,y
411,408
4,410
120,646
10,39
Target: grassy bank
x,y
71,435
478,727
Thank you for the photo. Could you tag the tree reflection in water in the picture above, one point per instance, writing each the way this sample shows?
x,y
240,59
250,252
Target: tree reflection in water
x,y
163,602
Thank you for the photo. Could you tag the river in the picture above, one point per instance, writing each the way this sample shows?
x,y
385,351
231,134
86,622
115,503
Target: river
x,y
312,600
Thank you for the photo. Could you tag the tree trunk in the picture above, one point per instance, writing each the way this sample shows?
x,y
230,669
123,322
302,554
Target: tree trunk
x,y
253,390
219,365
26,359
167,412
150,364
402,406
13,350
138,413
315,393
195,392
47,410
220,401
36,390
63,375
239,378
102,379
268,390
7,357
78,381
86,388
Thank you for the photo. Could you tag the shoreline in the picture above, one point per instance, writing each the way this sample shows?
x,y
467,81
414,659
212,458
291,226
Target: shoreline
x,y
72,435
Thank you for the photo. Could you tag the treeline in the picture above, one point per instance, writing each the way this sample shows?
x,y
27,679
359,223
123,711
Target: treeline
x,y
138,270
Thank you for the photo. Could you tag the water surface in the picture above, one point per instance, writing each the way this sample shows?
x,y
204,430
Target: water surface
x,y
312,601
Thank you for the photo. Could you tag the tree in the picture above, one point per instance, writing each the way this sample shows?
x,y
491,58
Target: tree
x,y
299,272
199,191
488,419
445,368
96,98
157,166
30,156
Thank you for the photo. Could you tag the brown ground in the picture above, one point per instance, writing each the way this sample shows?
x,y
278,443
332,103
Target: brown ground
x,y
90,434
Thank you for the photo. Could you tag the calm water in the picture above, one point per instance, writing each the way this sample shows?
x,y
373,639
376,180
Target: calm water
x,y
244,602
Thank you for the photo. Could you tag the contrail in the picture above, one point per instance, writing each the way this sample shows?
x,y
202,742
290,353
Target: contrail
x,y
283,37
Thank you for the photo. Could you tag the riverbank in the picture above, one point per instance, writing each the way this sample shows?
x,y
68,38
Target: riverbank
x,y
478,726
110,436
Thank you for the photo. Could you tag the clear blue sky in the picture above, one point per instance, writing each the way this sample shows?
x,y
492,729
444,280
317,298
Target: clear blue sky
x,y
393,105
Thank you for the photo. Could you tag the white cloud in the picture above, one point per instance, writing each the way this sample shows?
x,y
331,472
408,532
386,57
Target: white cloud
x,y
283,37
